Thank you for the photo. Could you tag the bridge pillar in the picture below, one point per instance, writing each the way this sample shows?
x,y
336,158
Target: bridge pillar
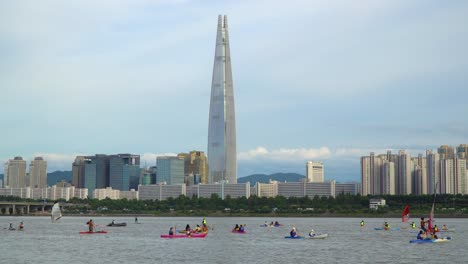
x,y
7,211
27,209
21,210
43,207
14,210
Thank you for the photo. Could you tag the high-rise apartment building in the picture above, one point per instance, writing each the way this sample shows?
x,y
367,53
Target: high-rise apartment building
x,y
222,153
78,179
371,174
15,173
315,171
433,172
38,173
446,152
170,170
462,151
388,174
404,178
461,177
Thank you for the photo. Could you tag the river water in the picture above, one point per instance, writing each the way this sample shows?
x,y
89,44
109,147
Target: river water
x,y
46,242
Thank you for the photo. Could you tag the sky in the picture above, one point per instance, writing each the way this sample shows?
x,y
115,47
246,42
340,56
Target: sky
x,y
313,80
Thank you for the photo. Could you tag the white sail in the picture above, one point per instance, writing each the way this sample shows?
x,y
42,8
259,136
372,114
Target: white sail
x,y
56,214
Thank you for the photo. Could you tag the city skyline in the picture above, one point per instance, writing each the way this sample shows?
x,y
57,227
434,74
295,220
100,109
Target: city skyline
x,y
323,80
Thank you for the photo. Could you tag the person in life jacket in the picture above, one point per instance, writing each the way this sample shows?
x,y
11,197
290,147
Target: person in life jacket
x,y
436,229
204,221
444,227
413,225
386,226
204,229
312,233
362,223
236,228
171,231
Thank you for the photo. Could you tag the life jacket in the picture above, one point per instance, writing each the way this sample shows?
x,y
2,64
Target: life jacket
x,y
436,229
362,223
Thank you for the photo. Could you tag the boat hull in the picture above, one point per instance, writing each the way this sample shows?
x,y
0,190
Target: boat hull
x,y
92,233
184,236
319,236
117,224
424,241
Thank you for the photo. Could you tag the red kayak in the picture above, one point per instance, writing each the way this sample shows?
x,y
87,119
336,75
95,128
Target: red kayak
x,y
92,233
239,232
184,236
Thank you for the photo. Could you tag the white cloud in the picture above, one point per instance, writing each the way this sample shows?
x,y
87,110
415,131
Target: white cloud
x,y
149,159
284,154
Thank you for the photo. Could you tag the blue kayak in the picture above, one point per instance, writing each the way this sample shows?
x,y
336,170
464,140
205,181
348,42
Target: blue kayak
x,y
296,237
391,229
423,241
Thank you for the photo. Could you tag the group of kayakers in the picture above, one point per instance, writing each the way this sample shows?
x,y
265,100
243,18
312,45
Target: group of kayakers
x,y
275,223
189,231
239,228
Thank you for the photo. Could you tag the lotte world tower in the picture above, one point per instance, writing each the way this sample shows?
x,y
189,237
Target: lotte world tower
x,y
222,153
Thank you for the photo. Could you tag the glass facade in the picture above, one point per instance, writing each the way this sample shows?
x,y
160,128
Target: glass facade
x,y
222,153
170,170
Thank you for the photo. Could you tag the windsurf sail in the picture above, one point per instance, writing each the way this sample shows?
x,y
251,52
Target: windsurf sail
x,y
405,215
56,213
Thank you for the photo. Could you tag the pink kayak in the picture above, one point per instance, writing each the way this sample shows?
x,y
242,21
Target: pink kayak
x,y
238,232
92,233
184,236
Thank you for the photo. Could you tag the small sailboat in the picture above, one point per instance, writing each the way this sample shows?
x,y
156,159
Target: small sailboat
x,y
56,213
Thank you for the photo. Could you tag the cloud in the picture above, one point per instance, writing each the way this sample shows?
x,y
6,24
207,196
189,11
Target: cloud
x,y
284,154
149,159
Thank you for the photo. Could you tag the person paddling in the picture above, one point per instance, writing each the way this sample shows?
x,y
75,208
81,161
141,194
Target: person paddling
x,y
362,223
423,224
312,233
293,232
413,225
171,231
90,224
21,226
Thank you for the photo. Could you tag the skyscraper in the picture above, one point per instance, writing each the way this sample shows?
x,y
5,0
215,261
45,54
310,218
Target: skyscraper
x,y
15,173
195,164
170,170
38,173
124,171
222,153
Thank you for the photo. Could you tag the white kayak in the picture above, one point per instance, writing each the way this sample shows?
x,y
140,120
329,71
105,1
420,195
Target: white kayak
x,y
319,236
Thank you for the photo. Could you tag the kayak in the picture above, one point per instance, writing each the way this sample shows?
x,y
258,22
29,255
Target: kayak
x,y
446,230
92,233
387,229
117,224
438,240
238,232
271,225
319,236
184,236
296,237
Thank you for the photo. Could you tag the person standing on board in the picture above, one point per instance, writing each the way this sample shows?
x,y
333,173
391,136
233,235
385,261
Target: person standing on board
x,y
90,224
423,224
136,220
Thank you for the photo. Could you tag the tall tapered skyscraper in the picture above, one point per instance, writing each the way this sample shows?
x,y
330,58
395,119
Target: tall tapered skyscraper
x,y
222,153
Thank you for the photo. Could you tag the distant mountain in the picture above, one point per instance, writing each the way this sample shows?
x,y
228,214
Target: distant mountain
x,y
57,176
263,178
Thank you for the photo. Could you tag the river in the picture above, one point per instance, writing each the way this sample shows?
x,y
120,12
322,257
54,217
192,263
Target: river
x,y
46,242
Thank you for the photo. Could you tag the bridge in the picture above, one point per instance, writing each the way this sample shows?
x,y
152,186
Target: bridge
x,y
24,208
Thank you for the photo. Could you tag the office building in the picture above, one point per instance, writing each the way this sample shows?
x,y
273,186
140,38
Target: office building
x,y
170,170
314,171
195,163
222,153
38,173
124,171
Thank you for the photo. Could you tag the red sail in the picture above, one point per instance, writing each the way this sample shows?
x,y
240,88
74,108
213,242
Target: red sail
x,y
405,215
431,219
